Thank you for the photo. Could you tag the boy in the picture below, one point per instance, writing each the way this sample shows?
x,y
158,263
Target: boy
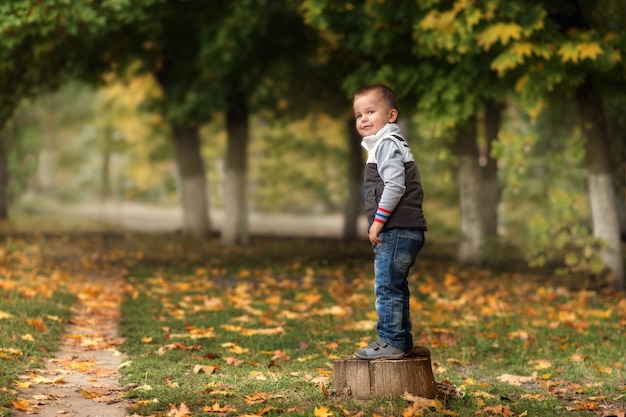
x,y
393,201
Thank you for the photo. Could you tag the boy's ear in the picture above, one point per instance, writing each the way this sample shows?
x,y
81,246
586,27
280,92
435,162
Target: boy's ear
x,y
393,115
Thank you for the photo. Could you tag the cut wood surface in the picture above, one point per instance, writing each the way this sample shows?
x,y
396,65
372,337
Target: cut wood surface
x,y
363,379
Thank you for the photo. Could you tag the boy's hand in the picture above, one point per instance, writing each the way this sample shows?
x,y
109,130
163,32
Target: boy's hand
x,y
375,230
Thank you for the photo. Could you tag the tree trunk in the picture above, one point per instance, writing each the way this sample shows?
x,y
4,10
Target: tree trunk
x,y
354,204
600,181
194,196
469,180
362,379
235,224
4,175
491,186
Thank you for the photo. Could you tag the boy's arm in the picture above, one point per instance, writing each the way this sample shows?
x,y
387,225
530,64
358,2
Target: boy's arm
x,y
390,162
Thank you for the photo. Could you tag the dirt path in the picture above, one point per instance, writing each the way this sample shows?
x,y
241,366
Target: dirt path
x,y
146,218
82,378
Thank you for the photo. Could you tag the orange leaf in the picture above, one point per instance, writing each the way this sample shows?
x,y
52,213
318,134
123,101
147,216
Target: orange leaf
x,y
22,405
497,409
182,411
217,408
256,398
38,324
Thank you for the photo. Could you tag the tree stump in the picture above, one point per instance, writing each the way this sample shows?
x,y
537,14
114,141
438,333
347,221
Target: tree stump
x,y
363,379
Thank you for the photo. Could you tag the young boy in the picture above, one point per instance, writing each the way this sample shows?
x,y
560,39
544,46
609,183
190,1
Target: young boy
x,y
393,201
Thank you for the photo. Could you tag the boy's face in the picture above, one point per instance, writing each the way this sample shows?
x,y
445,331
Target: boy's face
x,y
372,112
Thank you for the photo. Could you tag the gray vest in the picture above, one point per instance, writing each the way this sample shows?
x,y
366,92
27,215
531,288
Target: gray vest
x,y
408,213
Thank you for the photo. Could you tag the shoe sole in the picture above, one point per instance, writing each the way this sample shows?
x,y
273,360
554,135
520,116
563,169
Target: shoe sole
x,y
371,358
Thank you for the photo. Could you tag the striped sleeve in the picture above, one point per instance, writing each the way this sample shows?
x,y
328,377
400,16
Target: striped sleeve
x,y
382,215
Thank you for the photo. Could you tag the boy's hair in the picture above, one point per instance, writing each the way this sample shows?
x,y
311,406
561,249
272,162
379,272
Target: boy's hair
x,y
388,95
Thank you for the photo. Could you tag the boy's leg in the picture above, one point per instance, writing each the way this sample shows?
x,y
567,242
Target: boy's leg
x,y
393,259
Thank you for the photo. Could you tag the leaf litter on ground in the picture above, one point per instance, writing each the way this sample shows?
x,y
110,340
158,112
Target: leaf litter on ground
x,y
209,329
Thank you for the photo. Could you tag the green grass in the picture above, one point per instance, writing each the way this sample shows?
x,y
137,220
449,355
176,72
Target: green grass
x,y
478,325
33,314
268,321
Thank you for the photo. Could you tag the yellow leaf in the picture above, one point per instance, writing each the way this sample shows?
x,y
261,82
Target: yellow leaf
x,y
541,364
12,351
258,375
521,83
522,49
207,369
217,408
364,325
323,412
146,340
499,32
271,331
517,379
569,52
474,17
543,51
590,50
5,315
233,348
505,61
38,379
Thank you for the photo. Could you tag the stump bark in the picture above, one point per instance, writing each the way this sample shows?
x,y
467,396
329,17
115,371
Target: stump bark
x,y
362,379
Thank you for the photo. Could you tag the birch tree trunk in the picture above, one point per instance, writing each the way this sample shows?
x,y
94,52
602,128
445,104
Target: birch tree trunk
x,y
469,180
600,182
354,204
235,229
194,196
491,186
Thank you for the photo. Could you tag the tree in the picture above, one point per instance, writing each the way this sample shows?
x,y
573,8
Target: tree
x,y
43,44
454,83
575,54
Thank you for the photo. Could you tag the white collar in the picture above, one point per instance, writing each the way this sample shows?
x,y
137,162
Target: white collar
x,y
369,142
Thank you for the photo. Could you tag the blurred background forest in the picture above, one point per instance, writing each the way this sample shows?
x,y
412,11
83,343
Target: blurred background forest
x,y
515,111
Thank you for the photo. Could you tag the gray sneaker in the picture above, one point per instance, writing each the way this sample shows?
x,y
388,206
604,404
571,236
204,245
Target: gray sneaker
x,y
380,350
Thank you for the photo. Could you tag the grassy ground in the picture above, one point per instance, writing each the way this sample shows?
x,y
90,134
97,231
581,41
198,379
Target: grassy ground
x,y
255,330
34,307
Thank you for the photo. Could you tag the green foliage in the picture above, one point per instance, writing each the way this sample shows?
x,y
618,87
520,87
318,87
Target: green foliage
x,y
300,167
560,238
43,44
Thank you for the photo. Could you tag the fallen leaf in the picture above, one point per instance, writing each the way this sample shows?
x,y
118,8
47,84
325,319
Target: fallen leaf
x,y
38,379
22,405
5,315
207,369
256,398
38,324
217,408
323,412
517,379
182,411
497,410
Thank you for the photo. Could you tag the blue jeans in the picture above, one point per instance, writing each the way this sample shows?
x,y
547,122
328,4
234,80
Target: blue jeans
x,y
393,258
